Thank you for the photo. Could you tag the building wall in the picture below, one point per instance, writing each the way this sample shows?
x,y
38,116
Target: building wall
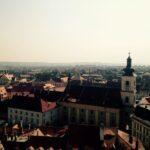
x,y
27,117
128,94
3,94
50,117
93,115
4,81
128,98
141,131
128,90
31,117
132,83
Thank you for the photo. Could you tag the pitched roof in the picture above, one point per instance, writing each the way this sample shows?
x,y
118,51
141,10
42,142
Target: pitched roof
x,y
50,96
143,112
31,104
145,101
21,87
125,137
92,95
7,76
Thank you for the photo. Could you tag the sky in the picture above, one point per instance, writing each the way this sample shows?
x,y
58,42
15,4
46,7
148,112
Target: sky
x,y
75,31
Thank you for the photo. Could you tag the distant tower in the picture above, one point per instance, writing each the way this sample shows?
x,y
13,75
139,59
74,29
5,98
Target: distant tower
x,y
128,90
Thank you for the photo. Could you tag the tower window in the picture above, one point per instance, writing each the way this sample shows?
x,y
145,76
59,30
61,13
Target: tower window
x,y
127,83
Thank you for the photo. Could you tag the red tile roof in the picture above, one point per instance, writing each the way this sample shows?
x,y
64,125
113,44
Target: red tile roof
x,y
46,106
31,103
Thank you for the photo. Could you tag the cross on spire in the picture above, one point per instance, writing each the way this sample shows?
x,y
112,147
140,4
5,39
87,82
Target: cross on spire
x,y
129,54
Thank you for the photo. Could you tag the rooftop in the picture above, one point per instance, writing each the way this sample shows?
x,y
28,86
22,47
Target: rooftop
x,y
125,137
92,95
31,104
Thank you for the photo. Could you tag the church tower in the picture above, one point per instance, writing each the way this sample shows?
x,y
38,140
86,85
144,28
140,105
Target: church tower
x,y
128,90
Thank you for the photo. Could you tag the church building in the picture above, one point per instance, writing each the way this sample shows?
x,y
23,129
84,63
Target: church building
x,y
128,91
90,104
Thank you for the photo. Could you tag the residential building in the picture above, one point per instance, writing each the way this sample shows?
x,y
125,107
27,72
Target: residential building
x,y
91,104
20,89
141,122
6,79
32,110
3,93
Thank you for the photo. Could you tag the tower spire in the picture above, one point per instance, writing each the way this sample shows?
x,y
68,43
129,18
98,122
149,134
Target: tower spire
x,y
128,71
129,53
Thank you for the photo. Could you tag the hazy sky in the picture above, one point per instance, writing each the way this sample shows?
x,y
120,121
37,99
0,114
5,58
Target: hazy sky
x,y
75,30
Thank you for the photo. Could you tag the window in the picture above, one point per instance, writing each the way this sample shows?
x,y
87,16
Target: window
x,y
82,120
147,132
31,120
144,130
26,119
37,115
73,119
16,111
112,119
26,113
102,117
16,117
20,112
126,114
37,121
91,111
140,128
91,121
127,83
44,121
134,125
127,99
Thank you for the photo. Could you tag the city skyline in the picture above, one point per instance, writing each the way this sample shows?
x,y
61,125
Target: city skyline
x,y
74,31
